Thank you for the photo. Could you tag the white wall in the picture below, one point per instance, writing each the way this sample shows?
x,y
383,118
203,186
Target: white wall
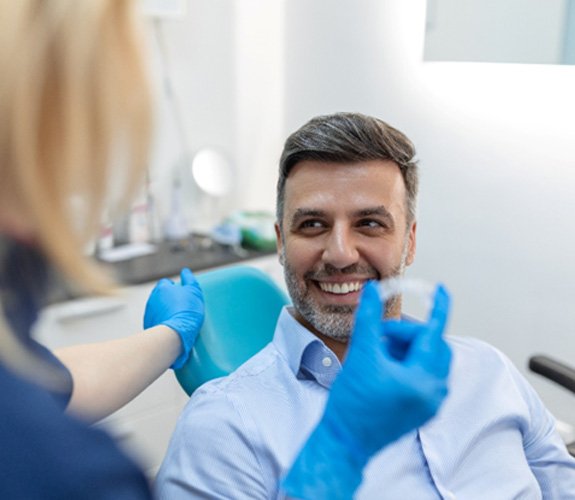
x,y
495,144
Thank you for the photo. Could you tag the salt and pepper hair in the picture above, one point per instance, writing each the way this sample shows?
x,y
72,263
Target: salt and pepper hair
x,y
346,138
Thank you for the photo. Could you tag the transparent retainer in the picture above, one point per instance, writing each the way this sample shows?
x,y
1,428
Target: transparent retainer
x,y
417,295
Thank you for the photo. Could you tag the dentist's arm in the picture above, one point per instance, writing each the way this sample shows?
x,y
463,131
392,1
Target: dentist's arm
x,y
107,375
393,380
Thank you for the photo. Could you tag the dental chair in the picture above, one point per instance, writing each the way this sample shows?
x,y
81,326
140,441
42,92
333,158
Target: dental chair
x,y
557,372
242,308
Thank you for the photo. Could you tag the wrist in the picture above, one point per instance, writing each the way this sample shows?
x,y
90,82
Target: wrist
x,y
328,466
342,440
184,354
168,343
183,348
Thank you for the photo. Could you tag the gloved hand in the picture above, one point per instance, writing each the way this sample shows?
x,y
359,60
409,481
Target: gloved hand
x,y
393,380
180,307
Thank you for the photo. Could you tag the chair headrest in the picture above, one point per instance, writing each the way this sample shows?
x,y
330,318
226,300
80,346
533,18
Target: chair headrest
x,y
242,308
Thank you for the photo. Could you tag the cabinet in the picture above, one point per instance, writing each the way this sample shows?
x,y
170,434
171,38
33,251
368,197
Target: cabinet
x,y
144,426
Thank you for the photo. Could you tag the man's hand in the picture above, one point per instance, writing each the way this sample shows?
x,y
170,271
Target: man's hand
x,y
179,307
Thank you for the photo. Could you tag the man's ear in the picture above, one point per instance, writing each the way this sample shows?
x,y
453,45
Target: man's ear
x,y
411,243
279,243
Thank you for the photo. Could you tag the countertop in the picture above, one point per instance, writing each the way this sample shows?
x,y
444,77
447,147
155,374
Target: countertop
x,y
197,253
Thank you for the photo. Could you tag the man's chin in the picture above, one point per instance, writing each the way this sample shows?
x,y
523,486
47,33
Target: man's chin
x,y
337,326
344,339
341,309
331,320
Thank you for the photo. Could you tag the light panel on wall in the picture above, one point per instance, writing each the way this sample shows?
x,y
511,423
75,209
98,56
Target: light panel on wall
x,y
514,31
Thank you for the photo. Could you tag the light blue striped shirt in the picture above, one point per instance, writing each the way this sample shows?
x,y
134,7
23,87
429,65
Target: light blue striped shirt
x,y
493,438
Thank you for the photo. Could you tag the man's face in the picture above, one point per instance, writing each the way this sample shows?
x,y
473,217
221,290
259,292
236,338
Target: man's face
x,y
343,224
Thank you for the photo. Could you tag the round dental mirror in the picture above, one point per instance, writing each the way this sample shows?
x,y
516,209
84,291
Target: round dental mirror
x,y
212,172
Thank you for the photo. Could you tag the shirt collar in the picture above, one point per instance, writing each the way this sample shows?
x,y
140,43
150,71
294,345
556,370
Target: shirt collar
x,y
307,356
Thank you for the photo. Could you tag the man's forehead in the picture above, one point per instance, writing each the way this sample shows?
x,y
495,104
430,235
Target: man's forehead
x,y
366,185
384,170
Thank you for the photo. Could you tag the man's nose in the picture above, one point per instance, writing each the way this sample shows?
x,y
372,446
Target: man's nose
x,y
340,249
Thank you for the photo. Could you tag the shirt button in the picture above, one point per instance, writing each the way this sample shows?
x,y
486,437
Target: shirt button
x,y
326,362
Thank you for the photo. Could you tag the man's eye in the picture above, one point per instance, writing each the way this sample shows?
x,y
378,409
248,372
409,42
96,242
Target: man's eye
x,y
370,223
311,225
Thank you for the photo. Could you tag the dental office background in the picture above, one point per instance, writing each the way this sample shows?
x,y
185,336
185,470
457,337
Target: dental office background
x,y
496,141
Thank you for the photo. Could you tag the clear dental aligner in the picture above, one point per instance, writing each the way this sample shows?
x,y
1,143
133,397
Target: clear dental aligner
x,y
396,286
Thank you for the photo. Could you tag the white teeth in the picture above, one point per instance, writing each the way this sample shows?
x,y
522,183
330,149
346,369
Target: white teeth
x,y
340,288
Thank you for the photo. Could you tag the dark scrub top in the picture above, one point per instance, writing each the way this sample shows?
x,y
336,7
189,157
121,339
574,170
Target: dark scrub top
x,y
45,453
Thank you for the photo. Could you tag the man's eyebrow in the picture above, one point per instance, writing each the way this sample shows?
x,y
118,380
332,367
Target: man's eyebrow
x,y
379,211
302,213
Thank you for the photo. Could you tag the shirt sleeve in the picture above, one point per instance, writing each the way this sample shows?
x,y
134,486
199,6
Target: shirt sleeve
x,y
212,454
545,451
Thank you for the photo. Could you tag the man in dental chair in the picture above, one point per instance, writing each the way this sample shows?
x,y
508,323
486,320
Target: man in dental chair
x,y
345,215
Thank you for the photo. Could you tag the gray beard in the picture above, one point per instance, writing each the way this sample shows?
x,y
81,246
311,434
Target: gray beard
x,y
333,321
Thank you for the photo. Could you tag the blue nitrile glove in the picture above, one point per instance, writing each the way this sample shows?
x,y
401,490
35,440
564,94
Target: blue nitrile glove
x,y
393,380
180,307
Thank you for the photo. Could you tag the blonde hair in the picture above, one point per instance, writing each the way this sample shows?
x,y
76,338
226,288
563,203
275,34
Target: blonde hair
x,y
74,100
74,104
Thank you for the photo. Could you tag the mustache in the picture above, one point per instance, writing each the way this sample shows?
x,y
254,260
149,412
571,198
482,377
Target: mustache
x,y
328,271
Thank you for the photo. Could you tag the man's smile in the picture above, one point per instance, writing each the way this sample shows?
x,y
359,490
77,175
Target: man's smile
x,y
341,288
